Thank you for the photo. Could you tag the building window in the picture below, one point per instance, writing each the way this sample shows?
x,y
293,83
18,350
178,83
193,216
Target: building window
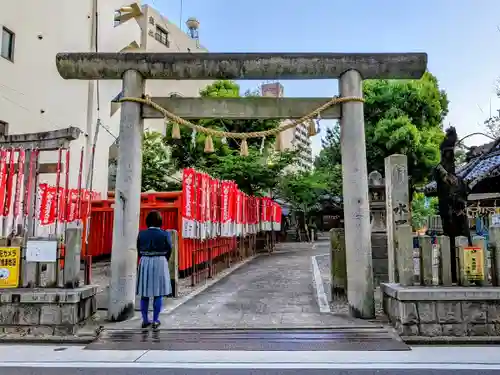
x,y
4,128
8,38
161,36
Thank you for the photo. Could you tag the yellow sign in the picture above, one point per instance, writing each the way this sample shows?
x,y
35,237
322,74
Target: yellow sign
x,y
9,267
473,263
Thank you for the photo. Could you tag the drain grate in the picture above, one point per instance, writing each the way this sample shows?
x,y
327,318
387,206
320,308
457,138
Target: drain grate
x,y
249,340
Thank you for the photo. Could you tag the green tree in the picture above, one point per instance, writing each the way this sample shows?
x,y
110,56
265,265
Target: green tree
x,y
303,189
157,165
329,162
189,154
255,174
421,209
405,117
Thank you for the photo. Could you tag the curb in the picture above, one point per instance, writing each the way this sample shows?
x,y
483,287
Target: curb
x,y
61,340
451,340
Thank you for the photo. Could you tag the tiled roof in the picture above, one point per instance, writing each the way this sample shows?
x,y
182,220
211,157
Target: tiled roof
x,y
485,165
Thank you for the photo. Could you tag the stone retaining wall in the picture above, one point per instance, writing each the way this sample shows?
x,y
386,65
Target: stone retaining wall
x,y
37,312
442,311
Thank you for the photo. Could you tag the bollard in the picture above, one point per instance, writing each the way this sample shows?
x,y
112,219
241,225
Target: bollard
x,y
426,260
444,261
404,250
494,241
480,242
338,269
72,257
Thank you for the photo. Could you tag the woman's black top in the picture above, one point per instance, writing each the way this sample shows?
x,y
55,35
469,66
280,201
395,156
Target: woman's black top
x,y
153,242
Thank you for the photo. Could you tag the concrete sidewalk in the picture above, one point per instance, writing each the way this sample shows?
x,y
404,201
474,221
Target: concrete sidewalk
x,y
270,291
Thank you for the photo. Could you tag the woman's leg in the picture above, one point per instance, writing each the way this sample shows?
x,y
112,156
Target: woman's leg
x,y
157,308
144,310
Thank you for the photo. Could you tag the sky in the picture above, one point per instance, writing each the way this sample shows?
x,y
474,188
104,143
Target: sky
x,y
461,38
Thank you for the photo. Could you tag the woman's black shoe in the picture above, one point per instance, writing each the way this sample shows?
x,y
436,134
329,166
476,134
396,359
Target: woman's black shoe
x,y
156,325
145,325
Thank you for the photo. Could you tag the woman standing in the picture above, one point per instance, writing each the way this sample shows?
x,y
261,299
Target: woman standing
x,y
154,246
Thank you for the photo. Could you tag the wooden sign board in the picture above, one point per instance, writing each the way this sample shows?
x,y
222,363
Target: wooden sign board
x,y
474,263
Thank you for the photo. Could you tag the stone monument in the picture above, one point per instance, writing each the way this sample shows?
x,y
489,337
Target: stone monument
x,y
376,188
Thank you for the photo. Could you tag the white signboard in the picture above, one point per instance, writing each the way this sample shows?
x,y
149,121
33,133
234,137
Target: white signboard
x,y
41,251
495,220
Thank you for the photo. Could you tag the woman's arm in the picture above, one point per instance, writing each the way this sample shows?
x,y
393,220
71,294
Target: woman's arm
x,y
168,245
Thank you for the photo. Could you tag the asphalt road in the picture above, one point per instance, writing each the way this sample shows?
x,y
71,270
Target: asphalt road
x,y
185,371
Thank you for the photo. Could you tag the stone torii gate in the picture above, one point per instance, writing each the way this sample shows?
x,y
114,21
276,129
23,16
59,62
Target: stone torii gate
x,y
134,68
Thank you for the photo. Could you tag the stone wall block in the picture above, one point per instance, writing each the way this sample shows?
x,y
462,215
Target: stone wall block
x,y
50,314
427,312
407,329
457,329
449,312
493,315
69,314
29,314
407,312
8,314
474,312
481,329
431,330
42,331
68,330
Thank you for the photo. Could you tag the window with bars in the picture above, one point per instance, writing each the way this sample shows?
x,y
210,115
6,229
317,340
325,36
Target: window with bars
x,y
161,36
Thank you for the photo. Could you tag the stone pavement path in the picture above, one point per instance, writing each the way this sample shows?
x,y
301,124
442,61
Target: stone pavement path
x,y
271,291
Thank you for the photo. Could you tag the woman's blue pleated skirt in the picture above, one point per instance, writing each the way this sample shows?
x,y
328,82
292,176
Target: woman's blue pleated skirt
x,y
153,277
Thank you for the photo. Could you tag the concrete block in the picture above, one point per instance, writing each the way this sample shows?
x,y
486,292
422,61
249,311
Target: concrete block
x,y
481,329
69,314
493,315
449,312
406,330
431,330
29,314
8,314
474,312
41,331
50,314
68,330
427,312
407,312
455,329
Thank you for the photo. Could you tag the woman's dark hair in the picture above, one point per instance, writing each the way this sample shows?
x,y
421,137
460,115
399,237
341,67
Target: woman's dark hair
x,y
154,219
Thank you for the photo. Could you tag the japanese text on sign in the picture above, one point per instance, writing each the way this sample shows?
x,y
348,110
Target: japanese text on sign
x,y
473,263
9,267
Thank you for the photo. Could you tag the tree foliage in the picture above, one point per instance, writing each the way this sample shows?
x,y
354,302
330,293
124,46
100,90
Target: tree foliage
x,y
157,164
403,117
255,174
303,189
421,209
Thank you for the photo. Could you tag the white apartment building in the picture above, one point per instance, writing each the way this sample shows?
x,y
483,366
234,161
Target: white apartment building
x,y
34,98
296,138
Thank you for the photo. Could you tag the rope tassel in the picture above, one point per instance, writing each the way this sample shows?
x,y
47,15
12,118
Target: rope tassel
x,y
312,129
209,145
244,148
176,131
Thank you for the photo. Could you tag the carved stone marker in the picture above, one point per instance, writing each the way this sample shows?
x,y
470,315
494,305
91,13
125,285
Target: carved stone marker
x,y
397,204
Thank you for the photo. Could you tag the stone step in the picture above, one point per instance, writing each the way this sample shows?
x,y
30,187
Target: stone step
x,y
307,339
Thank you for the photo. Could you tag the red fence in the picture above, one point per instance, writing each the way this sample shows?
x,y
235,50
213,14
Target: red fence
x,y
208,214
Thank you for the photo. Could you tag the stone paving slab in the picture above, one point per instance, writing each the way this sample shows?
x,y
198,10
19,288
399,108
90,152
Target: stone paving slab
x,y
271,291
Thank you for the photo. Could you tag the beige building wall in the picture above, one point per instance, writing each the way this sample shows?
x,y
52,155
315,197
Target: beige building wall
x,y
33,96
293,138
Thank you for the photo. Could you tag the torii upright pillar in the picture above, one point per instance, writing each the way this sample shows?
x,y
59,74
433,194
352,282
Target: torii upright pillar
x,y
350,68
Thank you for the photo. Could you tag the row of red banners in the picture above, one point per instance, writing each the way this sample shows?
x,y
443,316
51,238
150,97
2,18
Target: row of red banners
x,y
215,208
65,206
